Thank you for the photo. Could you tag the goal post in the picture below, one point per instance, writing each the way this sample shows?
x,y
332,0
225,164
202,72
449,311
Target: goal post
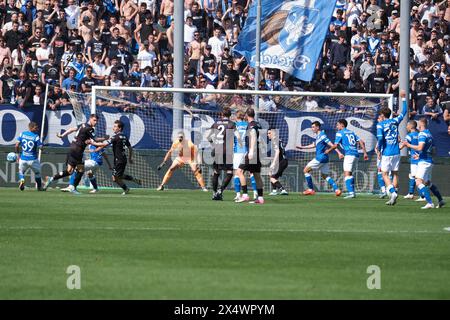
x,y
148,115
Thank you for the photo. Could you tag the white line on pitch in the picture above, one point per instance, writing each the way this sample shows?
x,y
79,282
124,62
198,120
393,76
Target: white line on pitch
x,y
106,228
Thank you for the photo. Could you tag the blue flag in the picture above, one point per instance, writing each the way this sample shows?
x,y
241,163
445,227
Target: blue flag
x,y
292,35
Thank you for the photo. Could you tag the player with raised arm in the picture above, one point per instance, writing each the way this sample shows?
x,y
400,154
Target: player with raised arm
x,y
187,153
425,165
221,136
119,143
413,138
321,160
279,162
239,152
348,140
388,144
90,167
28,143
252,162
74,161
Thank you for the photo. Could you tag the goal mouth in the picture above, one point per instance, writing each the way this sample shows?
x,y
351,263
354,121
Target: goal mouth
x,y
152,116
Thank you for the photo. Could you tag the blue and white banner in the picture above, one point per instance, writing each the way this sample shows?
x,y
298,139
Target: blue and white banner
x,y
292,35
153,130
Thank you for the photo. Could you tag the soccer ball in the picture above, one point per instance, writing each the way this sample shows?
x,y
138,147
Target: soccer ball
x,y
11,157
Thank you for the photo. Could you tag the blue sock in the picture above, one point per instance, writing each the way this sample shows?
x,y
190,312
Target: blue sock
x,y
253,181
94,182
426,193
412,185
349,183
380,180
392,189
38,182
237,184
309,181
332,183
436,192
72,178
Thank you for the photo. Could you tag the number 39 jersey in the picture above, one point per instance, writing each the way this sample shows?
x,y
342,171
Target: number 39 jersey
x,y
29,142
348,141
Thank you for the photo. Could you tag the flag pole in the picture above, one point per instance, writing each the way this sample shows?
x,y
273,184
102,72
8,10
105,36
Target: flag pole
x,y
258,53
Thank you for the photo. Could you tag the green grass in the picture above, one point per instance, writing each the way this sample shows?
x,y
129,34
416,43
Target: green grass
x,y
182,245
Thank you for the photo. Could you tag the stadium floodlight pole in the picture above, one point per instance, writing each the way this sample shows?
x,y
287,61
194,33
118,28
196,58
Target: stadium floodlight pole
x,y
404,61
178,64
258,52
44,108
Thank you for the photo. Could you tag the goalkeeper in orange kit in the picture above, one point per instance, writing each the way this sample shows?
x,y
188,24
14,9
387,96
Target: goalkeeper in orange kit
x,y
186,153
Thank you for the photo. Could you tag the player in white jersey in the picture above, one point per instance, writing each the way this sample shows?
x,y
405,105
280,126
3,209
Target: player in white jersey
x,y
29,143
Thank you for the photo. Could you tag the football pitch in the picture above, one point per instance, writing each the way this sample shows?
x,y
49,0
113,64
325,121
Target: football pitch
x,y
179,244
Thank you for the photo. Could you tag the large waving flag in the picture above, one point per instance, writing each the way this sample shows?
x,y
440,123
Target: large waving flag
x,y
292,35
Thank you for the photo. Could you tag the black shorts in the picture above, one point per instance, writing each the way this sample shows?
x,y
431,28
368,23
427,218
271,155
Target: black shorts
x,y
223,166
119,169
75,157
250,167
281,167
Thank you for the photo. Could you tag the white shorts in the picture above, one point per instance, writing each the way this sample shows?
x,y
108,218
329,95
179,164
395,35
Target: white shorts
x,y
413,169
90,165
424,171
390,163
349,162
378,163
238,158
34,165
323,167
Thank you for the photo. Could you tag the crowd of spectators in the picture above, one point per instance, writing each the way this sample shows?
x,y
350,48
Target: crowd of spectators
x,y
75,44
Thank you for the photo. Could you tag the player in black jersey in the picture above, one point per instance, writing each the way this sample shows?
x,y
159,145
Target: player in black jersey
x,y
279,162
74,160
221,136
120,143
252,162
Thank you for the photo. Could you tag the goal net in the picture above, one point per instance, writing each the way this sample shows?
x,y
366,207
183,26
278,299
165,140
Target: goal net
x,y
148,114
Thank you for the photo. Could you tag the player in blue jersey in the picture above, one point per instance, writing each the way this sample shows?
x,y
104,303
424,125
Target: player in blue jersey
x,y
29,143
323,147
425,165
239,154
413,138
388,144
348,140
90,167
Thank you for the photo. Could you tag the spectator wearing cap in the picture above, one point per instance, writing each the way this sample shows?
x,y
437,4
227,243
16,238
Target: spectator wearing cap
x,y
146,57
206,59
394,25
42,54
217,43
